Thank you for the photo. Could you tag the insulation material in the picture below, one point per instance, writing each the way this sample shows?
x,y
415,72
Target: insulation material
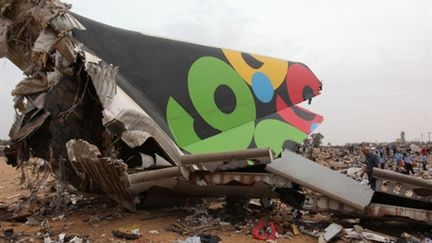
x,y
45,41
67,48
31,85
134,138
90,58
104,81
62,64
19,131
147,161
42,15
53,77
136,121
65,22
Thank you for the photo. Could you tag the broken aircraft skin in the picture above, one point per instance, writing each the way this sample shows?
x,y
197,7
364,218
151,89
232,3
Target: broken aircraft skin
x,y
143,119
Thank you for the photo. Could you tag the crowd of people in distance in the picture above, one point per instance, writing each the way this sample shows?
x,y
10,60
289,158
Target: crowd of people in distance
x,y
403,157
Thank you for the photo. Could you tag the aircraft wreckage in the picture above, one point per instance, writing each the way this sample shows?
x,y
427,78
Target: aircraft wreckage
x,y
143,119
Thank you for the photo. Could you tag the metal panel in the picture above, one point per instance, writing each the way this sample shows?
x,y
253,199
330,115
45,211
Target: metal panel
x,y
244,178
403,185
373,210
381,210
152,175
320,203
321,179
391,175
403,190
104,81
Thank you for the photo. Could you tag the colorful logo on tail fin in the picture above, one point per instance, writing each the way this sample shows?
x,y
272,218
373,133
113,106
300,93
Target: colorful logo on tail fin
x,y
248,101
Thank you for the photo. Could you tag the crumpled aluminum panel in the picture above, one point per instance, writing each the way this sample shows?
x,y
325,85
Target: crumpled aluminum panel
x,y
104,81
321,179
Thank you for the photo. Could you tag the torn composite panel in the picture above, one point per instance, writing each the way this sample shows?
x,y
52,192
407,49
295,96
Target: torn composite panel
x,y
66,91
136,128
56,101
37,83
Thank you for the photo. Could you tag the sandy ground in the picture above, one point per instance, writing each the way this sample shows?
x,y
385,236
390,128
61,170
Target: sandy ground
x,y
98,224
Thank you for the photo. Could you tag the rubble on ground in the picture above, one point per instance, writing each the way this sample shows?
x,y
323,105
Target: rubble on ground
x,y
211,216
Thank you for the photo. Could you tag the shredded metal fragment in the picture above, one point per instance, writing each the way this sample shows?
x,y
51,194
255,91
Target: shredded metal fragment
x,y
45,41
107,174
65,22
104,81
37,83
67,48
19,131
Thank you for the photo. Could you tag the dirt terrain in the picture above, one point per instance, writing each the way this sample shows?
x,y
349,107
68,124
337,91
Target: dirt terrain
x,y
94,217
96,222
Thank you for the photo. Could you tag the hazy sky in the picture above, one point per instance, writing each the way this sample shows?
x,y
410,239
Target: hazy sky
x,y
374,57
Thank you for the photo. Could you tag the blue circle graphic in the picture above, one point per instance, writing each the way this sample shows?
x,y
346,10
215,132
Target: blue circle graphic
x,y
262,87
314,126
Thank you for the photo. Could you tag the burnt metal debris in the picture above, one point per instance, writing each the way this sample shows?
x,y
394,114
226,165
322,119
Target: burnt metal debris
x,y
77,110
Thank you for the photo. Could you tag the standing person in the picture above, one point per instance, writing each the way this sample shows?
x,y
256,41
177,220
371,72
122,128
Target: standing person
x,y
398,160
371,162
380,158
408,163
424,160
306,145
424,153
382,162
381,151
